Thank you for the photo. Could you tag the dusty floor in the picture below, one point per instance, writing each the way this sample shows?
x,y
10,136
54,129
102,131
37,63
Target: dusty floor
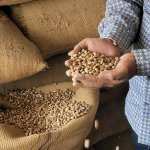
x,y
123,140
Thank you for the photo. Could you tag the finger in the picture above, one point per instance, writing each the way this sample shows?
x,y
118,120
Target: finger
x,y
110,84
120,73
90,84
106,79
113,84
71,53
81,45
106,75
74,79
68,62
78,76
109,78
117,82
91,77
77,84
88,81
76,49
68,73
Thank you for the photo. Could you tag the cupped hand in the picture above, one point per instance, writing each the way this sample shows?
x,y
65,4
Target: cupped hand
x,y
103,46
125,70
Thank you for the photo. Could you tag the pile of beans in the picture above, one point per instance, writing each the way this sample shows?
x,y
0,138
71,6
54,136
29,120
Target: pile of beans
x,y
88,62
35,112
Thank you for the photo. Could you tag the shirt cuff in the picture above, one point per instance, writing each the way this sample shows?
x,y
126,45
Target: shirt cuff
x,y
117,32
142,57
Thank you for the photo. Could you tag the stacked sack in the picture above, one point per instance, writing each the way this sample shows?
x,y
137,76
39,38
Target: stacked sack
x,y
19,57
57,26
10,2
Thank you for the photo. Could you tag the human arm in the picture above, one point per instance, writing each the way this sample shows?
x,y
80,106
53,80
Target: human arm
x,y
142,57
125,70
120,24
121,21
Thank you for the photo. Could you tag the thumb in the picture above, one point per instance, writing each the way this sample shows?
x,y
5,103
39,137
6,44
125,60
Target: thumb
x,y
81,45
120,73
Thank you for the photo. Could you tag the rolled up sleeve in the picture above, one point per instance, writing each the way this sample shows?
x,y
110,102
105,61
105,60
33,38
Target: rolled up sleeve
x,y
142,57
121,22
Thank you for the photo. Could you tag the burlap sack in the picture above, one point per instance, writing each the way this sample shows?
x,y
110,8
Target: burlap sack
x,y
70,137
19,57
107,109
11,2
56,26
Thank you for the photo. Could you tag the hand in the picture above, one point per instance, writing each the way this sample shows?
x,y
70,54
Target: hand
x,y
125,70
104,46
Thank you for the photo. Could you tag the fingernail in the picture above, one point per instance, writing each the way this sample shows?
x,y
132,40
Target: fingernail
x,y
68,73
74,84
66,63
70,53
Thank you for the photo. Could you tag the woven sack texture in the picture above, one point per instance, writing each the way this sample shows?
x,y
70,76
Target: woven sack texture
x,y
19,57
111,102
55,73
56,26
70,137
11,2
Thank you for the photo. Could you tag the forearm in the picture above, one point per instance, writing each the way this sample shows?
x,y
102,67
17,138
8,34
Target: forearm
x,y
142,57
121,21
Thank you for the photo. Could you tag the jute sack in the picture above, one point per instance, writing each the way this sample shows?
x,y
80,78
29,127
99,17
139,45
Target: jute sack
x,y
11,2
19,57
56,74
57,26
70,137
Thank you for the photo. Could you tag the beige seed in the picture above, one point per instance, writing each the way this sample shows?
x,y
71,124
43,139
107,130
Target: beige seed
x,y
89,62
110,64
86,70
92,62
74,55
96,69
96,124
27,118
107,67
87,143
117,148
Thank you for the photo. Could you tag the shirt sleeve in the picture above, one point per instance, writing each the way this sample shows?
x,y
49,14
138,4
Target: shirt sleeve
x,y
121,22
142,57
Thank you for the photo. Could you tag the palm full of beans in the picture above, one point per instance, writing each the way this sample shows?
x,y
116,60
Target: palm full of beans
x,y
88,62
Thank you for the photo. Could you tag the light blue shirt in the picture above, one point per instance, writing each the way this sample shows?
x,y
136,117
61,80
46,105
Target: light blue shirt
x,y
128,23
